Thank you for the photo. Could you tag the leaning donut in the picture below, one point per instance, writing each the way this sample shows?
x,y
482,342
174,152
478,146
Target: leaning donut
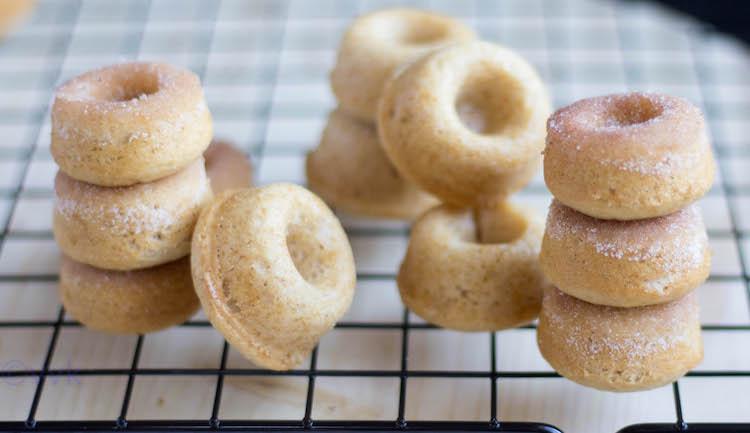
x,y
128,302
350,171
378,43
129,123
274,271
625,263
628,156
619,349
466,123
129,227
452,279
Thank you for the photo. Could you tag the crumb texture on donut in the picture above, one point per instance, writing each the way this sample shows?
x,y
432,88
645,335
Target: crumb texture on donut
x,y
635,155
274,271
129,123
466,122
625,263
350,171
377,44
453,279
131,227
227,167
128,302
619,349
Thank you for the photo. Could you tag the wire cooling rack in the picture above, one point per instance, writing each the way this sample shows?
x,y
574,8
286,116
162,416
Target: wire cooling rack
x,y
264,66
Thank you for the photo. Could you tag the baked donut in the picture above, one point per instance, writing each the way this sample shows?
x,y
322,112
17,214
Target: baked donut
x,y
452,279
466,123
129,227
350,171
619,349
129,123
625,263
227,167
12,12
376,44
628,156
128,302
274,271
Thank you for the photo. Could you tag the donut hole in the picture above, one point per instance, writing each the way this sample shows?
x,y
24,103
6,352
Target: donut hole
x,y
308,247
124,86
499,224
630,110
488,102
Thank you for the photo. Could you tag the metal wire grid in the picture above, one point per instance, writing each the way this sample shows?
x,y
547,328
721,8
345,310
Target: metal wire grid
x,y
67,20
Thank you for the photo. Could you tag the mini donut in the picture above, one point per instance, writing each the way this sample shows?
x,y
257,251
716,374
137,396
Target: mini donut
x,y
376,44
628,156
466,123
227,167
625,263
12,12
452,279
129,123
128,302
619,349
350,171
129,227
274,271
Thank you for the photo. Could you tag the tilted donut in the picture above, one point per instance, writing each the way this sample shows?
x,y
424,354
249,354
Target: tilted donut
x,y
350,171
129,227
625,263
376,44
227,167
129,123
274,271
466,123
453,280
128,302
619,349
628,156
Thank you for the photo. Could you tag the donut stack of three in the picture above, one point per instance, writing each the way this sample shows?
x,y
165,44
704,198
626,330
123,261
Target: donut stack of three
x,y
625,244
466,123
128,140
348,168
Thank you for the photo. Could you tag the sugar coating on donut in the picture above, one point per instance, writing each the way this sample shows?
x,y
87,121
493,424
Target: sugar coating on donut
x,y
630,116
131,217
658,240
633,333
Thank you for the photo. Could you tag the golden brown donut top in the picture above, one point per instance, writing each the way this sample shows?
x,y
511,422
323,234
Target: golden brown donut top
x,y
640,132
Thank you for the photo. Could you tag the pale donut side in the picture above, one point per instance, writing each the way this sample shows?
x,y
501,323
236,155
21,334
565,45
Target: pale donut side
x,y
625,263
466,122
128,302
274,271
619,349
124,228
351,172
376,44
227,167
452,280
635,155
129,123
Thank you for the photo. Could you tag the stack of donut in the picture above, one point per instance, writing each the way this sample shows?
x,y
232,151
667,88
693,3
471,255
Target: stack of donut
x,y
465,122
128,140
348,168
624,244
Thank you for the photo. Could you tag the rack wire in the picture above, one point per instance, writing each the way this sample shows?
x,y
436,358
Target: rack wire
x,y
223,41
